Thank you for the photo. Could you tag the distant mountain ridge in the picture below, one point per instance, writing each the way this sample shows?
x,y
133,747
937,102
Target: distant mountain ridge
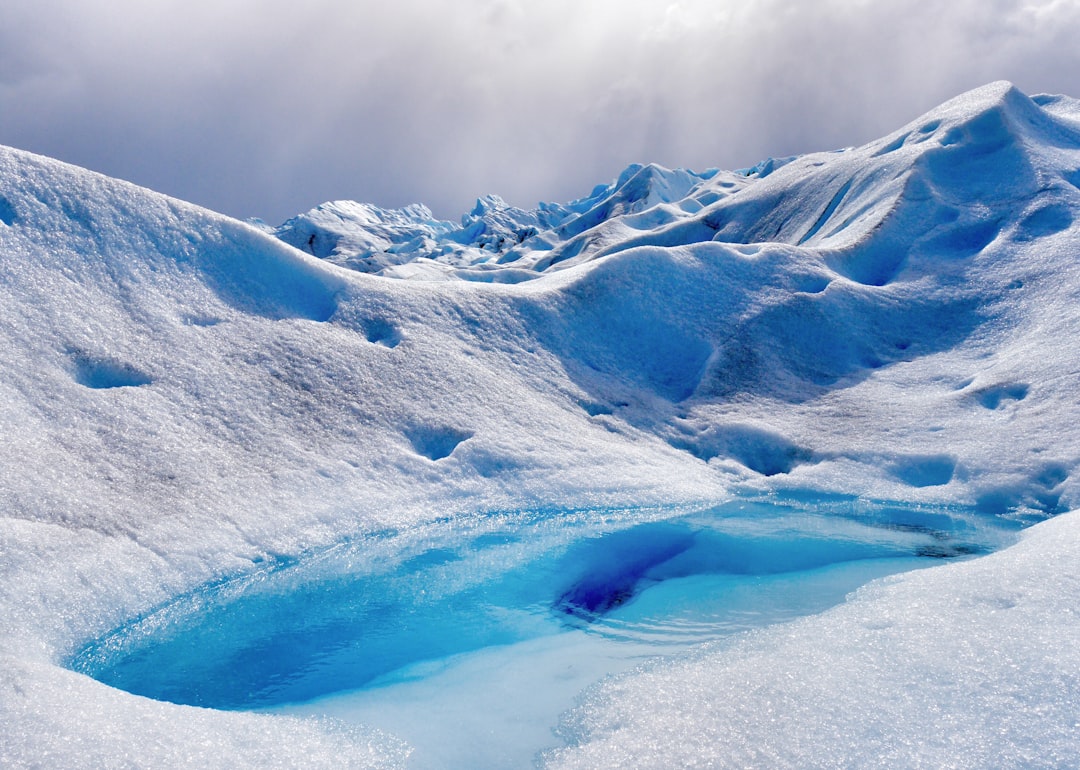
x,y
829,199
494,235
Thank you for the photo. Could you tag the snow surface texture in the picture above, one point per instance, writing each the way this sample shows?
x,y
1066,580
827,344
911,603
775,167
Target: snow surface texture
x,y
970,665
184,396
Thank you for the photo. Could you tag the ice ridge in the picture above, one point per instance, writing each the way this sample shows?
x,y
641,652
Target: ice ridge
x,y
989,144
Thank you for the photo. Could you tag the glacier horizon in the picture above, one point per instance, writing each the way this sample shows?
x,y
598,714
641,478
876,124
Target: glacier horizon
x,y
185,396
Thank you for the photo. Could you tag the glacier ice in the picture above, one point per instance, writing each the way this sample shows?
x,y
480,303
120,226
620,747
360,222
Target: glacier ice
x,y
439,616
184,397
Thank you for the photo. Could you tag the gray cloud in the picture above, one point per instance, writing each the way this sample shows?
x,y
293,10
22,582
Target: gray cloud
x,y
266,107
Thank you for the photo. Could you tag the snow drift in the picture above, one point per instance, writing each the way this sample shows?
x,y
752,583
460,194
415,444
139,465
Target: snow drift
x,y
184,396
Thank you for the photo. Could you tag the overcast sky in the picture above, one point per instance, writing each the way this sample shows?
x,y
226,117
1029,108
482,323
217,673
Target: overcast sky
x,y
266,107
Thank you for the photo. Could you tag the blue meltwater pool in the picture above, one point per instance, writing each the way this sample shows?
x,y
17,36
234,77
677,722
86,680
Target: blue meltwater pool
x,y
468,638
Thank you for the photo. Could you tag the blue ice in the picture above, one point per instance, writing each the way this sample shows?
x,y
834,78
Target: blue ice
x,y
469,639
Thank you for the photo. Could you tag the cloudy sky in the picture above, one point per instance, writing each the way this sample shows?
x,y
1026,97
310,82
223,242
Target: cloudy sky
x,y
268,107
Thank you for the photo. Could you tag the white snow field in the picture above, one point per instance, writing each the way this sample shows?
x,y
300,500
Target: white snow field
x,y
185,399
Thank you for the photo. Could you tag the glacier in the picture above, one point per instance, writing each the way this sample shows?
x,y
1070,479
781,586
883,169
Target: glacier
x,y
186,397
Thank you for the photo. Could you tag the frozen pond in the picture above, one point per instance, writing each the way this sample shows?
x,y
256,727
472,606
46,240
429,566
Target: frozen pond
x,y
469,638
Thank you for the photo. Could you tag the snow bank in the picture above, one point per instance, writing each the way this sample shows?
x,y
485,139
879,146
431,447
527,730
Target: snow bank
x,y
184,397
55,718
968,665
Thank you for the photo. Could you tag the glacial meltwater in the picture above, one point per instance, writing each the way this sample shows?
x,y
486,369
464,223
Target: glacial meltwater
x,y
469,638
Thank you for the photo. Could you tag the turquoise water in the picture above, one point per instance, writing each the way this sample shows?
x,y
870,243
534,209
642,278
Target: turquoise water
x,y
420,631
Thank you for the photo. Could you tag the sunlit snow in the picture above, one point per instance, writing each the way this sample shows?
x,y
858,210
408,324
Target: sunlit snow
x,y
193,405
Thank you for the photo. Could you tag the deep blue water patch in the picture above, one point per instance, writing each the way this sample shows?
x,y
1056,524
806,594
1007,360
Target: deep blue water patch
x,y
384,608
607,571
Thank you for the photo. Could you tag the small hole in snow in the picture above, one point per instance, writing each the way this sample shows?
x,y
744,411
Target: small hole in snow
x,y
435,443
996,396
924,470
7,212
594,409
101,373
380,332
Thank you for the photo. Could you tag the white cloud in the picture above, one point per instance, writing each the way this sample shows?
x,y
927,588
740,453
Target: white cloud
x,y
267,108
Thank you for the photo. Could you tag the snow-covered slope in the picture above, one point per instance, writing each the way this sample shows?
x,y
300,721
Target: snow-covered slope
x,y
183,396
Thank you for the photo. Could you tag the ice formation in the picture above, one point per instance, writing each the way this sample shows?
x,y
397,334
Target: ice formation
x,y
185,396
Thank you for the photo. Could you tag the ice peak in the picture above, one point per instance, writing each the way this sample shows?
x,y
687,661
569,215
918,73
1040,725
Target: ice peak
x,y
995,113
997,94
486,204
979,145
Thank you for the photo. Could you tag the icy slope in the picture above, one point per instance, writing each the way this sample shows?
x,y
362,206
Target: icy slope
x,y
970,665
183,396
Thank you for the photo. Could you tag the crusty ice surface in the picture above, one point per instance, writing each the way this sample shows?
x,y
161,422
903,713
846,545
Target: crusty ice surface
x,y
183,395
